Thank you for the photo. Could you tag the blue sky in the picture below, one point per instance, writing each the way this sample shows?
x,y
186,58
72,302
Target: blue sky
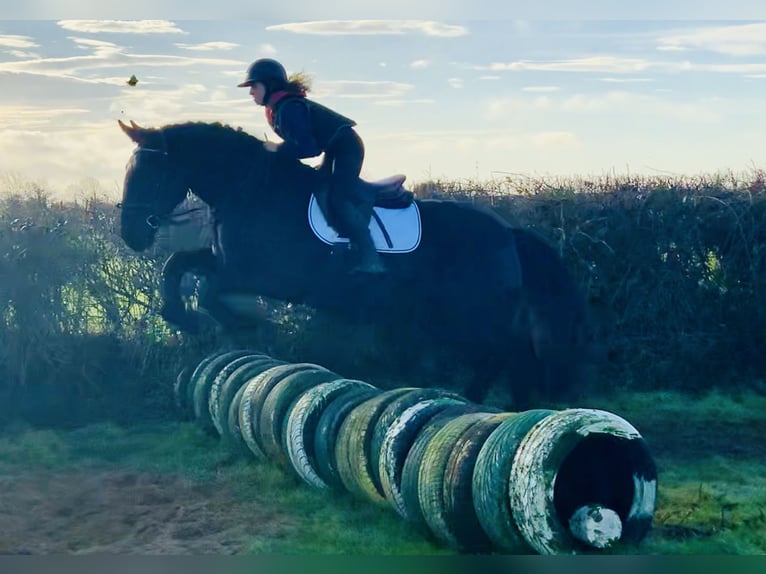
x,y
449,98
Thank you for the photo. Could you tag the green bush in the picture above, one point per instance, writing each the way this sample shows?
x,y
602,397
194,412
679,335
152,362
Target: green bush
x,y
674,270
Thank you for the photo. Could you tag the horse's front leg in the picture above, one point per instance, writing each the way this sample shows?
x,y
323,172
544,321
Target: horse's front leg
x,y
174,310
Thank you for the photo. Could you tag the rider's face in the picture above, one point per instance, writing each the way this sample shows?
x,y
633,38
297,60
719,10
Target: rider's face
x,y
258,92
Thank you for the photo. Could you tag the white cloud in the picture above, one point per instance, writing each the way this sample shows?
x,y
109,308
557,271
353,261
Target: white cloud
x,y
490,77
601,64
737,40
26,117
121,26
12,41
404,102
554,139
208,46
420,64
540,89
362,89
456,83
371,27
23,55
627,80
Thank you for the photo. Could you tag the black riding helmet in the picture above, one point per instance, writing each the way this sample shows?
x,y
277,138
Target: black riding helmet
x,y
269,72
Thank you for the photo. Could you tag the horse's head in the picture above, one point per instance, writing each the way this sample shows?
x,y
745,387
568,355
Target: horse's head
x,y
153,187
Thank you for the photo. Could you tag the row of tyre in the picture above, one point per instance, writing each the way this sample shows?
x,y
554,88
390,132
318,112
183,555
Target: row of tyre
x,y
469,476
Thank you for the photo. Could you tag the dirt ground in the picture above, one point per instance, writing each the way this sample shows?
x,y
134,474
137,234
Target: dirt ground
x,y
118,512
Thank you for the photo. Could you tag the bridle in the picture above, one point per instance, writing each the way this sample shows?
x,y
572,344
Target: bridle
x,y
154,220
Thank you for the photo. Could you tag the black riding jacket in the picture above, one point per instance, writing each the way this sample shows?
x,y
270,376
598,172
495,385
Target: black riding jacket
x,y
307,127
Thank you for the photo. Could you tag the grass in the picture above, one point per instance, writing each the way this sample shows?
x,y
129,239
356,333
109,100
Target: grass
x,y
708,449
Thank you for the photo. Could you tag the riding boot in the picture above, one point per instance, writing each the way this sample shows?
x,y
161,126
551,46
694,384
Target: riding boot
x,y
356,226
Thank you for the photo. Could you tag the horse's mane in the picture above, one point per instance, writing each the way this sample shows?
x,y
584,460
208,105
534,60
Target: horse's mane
x,y
210,134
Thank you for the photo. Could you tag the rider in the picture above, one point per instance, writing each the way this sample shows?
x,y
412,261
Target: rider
x,y
307,129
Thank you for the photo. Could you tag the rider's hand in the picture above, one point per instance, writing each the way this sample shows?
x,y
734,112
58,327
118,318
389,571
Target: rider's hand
x,y
271,146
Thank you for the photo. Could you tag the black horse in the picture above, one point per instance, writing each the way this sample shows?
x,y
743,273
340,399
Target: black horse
x,y
497,297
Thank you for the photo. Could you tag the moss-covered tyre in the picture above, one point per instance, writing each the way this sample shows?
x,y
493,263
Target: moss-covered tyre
x,y
490,481
578,459
464,530
213,399
352,449
187,398
398,440
276,408
179,392
201,392
412,511
246,371
301,427
256,391
328,427
433,470
387,418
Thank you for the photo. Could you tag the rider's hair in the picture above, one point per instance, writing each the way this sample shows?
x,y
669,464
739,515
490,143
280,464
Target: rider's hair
x,y
298,82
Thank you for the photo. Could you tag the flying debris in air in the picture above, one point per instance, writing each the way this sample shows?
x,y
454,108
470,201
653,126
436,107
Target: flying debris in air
x,y
133,80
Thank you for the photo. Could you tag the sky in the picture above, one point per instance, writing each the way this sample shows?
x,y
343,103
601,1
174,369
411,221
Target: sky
x,y
474,96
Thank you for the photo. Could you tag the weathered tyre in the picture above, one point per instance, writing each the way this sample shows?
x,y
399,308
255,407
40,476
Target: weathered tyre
x,y
387,418
185,393
180,385
234,433
581,458
433,470
411,469
328,427
276,406
490,481
397,442
463,529
256,391
213,399
241,375
352,450
302,424
201,391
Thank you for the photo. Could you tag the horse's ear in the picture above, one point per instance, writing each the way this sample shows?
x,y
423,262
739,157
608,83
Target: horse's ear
x,y
133,131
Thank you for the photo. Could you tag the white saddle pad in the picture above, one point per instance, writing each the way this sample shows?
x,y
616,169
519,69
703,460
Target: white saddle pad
x,y
400,226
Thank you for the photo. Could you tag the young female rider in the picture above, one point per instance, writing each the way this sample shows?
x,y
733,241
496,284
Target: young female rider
x,y
308,129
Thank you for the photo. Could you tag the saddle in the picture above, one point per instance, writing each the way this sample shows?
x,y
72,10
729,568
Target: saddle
x,y
389,193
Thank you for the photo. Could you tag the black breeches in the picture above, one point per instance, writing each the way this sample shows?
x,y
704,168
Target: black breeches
x,y
343,163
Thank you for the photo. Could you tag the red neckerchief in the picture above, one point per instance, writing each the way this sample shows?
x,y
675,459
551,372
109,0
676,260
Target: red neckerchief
x,y
275,98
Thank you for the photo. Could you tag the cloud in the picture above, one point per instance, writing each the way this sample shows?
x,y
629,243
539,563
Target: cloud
x,y
404,102
456,83
105,56
208,46
420,64
600,64
12,41
540,89
23,55
737,40
121,26
27,117
371,27
362,89
554,139
626,80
